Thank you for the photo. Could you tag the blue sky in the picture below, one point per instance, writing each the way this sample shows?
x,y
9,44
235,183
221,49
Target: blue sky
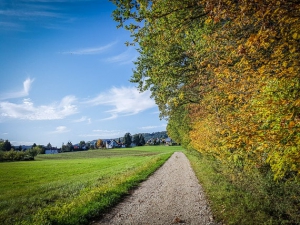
x,y
65,73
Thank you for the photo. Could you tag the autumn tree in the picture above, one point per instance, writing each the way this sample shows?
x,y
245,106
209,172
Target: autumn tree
x,y
232,65
99,143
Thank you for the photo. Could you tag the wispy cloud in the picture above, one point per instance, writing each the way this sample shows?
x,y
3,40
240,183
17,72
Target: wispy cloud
x,y
83,119
19,94
60,129
91,51
10,25
124,101
51,1
24,13
27,111
124,58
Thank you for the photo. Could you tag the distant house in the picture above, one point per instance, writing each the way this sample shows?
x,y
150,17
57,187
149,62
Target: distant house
x,y
92,143
168,141
51,151
111,144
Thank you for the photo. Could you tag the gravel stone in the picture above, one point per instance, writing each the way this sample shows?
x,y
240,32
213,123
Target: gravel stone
x,y
172,195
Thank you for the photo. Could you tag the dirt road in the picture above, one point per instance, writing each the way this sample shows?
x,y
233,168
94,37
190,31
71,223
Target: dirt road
x,y
172,195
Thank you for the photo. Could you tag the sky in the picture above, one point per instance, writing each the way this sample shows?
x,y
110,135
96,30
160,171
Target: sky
x,y
64,75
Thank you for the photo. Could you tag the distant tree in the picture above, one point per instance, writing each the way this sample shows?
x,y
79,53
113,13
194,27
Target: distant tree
x,y
99,143
20,148
49,146
34,145
70,146
64,148
81,145
33,152
119,142
136,139
127,140
6,146
142,140
40,149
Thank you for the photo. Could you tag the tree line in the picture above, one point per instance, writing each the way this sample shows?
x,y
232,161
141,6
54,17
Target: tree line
x,y
126,141
226,76
8,152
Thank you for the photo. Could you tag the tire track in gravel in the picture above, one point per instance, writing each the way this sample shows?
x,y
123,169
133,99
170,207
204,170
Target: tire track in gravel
x,y
171,195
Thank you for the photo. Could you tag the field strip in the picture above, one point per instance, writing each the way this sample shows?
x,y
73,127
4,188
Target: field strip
x,y
171,195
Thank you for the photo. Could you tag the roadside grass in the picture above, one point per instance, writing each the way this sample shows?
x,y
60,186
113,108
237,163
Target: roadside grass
x,y
253,199
73,188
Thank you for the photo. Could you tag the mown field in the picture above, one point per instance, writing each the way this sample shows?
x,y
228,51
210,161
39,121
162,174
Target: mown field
x,y
73,188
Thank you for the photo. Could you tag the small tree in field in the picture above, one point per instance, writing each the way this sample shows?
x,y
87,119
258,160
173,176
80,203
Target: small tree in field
x,y
33,152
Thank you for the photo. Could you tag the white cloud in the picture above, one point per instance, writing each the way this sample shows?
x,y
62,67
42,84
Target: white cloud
x,y
19,94
124,101
90,51
83,119
61,129
28,111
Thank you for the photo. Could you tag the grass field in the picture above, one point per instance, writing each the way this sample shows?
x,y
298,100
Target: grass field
x,y
73,188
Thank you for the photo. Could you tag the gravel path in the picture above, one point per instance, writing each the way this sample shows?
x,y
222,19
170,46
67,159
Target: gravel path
x,y
172,195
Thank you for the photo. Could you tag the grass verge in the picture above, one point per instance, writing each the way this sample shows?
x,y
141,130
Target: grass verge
x,y
73,188
248,199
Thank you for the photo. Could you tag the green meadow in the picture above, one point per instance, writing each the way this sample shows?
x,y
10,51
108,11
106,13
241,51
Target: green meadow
x,y
73,188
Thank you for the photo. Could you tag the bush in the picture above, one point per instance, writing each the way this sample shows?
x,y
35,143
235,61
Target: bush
x,y
13,155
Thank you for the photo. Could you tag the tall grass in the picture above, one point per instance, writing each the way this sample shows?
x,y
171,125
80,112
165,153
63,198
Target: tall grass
x,y
249,198
72,188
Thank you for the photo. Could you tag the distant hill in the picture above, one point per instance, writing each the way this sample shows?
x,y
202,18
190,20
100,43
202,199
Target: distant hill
x,y
161,134
148,136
